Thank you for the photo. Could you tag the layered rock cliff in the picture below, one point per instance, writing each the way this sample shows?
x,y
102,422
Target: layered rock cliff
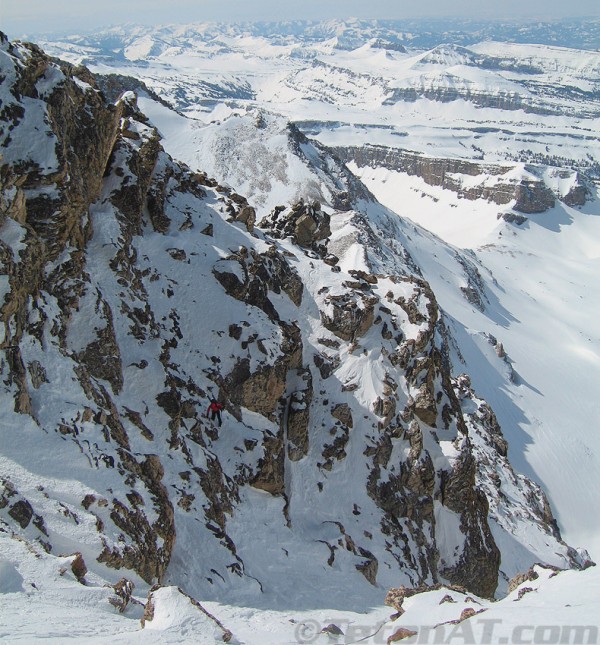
x,y
133,289
524,188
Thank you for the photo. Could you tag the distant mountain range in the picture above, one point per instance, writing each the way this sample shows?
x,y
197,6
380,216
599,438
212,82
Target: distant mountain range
x,y
579,33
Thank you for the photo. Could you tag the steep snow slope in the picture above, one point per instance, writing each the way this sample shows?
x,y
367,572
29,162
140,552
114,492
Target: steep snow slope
x,y
542,398
541,284
345,428
451,272
154,354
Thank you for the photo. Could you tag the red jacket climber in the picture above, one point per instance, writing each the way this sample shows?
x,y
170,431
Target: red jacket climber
x,y
214,409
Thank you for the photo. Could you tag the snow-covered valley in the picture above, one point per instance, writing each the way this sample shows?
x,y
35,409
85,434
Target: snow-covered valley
x,y
382,260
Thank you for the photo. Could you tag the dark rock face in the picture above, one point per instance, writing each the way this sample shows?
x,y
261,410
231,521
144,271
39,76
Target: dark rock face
x,y
351,315
533,197
241,211
151,542
500,101
123,592
489,451
79,568
113,86
513,218
343,413
22,513
298,416
477,566
409,495
86,136
578,195
249,277
270,475
306,224
260,391
17,377
409,492
83,130
102,357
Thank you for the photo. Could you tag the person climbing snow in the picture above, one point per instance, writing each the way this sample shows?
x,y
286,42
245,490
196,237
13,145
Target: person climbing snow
x,y
214,409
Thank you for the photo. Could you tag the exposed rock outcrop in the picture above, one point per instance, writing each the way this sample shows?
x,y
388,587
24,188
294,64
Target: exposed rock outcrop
x,y
249,277
158,606
306,224
298,415
477,565
123,592
499,183
81,129
349,316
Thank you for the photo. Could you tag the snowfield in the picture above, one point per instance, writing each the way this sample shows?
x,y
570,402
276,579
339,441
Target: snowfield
x,y
39,602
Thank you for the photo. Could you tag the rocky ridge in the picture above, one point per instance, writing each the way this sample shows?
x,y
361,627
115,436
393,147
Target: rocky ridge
x,y
134,288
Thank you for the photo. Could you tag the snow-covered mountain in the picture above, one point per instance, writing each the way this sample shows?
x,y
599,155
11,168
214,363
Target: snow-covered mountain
x,y
268,251
582,33
491,101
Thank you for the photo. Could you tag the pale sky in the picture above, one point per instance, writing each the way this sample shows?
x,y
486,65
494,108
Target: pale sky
x,y
22,17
